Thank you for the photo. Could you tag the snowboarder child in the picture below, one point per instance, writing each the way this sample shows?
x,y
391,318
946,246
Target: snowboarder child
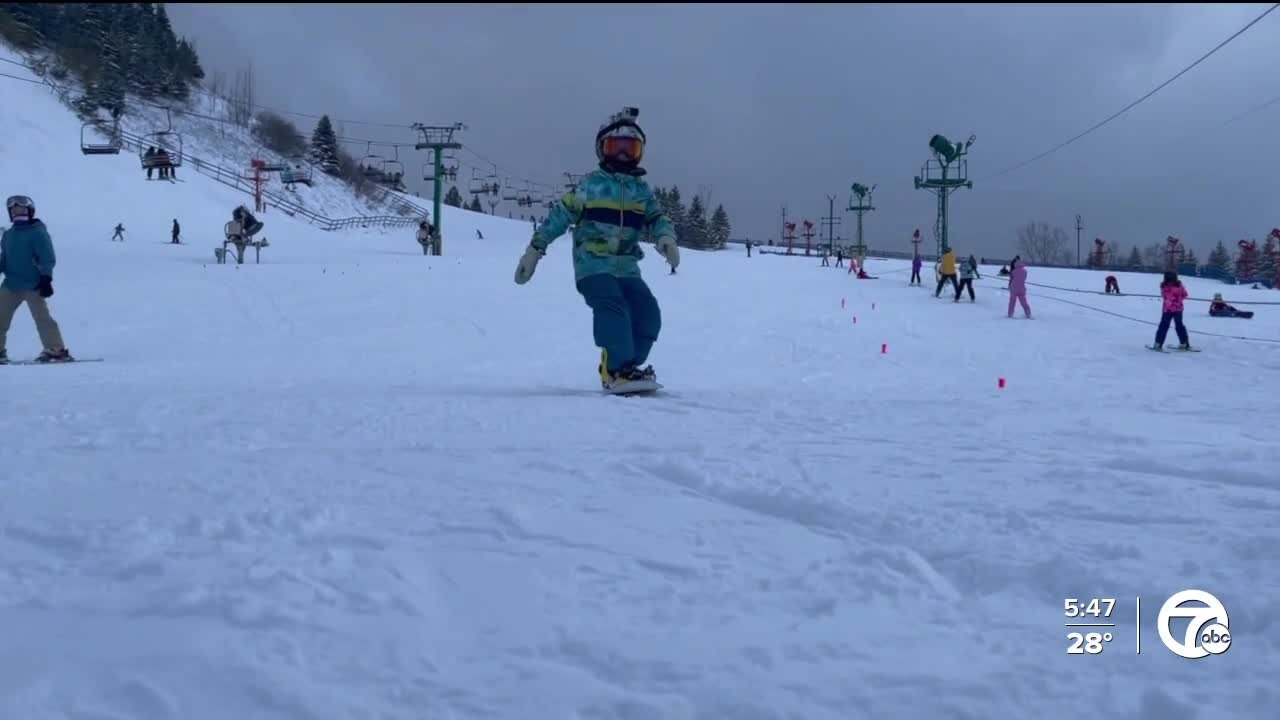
x,y
1172,293
609,210
27,260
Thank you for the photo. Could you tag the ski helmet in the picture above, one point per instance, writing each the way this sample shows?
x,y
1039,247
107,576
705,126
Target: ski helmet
x,y
22,205
620,135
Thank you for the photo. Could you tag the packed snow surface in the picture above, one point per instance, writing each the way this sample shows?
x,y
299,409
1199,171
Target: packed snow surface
x,y
356,483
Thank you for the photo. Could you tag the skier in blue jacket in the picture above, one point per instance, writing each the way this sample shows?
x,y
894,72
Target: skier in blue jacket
x,y
26,261
610,210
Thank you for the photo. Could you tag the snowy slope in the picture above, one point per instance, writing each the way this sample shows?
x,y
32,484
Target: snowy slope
x,y
354,482
233,148
196,130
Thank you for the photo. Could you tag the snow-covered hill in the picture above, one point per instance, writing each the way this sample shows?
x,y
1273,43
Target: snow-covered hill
x,y
199,132
354,482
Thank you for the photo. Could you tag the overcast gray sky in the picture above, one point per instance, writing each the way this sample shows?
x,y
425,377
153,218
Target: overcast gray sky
x,y
786,104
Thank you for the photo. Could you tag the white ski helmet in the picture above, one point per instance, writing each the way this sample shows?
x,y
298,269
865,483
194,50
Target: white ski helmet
x,y
23,203
622,125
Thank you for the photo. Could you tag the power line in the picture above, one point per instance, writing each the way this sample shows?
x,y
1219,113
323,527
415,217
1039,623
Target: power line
x,y
1135,103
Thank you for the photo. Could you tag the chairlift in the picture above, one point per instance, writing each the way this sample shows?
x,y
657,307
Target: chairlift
x,y
168,146
429,172
477,185
297,171
508,192
111,147
393,168
372,166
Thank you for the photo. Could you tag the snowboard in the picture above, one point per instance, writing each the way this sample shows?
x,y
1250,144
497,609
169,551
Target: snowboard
x,y
636,387
1172,349
33,361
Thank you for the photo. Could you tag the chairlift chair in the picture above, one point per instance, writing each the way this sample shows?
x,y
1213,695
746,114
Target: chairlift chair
x,y
429,172
298,171
477,185
508,192
111,147
167,140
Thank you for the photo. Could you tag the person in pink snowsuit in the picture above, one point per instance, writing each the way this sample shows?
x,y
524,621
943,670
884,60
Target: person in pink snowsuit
x,y
1018,286
1172,293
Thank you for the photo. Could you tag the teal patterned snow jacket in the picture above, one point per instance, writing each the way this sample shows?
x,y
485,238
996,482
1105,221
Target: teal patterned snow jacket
x,y
610,213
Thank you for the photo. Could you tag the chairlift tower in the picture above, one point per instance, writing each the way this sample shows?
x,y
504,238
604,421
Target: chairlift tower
x,y
831,221
947,172
1247,259
437,139
1098,258
808,237
1173,253
860,203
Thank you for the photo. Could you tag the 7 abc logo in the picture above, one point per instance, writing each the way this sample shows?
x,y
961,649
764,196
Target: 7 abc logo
x,y
1207,627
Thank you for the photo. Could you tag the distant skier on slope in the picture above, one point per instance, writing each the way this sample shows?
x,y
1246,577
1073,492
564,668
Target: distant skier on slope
x,y
609,210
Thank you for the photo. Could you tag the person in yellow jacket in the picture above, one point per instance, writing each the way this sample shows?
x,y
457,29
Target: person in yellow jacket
x,y
948,272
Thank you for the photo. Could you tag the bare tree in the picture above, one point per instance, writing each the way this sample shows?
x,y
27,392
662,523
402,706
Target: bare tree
x,y
1040,244
242,98
218,84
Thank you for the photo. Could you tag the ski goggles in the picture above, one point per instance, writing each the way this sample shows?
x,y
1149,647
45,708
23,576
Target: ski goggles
x,y
20,202
616,146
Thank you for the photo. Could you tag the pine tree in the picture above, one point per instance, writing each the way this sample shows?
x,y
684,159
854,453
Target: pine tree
x,y
1219,263
453,198
675,212
324,147
1135,259
695,220
475,204
718,230
1265,268
1190,264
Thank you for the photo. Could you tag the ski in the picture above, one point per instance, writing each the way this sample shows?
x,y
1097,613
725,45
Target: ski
x,y
1172,349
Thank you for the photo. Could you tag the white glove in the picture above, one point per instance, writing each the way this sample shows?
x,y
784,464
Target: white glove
x,y
528,263
667,246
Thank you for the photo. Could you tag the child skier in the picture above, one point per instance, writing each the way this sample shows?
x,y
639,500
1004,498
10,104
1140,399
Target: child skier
x,y
27,260
1018,286
609,210
1173,293
968,271
916,262
946,270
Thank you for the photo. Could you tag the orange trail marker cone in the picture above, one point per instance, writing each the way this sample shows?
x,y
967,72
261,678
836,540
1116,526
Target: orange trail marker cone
x,y
1001,382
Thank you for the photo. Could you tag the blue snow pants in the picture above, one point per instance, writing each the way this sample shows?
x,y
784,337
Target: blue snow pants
x,y
626,318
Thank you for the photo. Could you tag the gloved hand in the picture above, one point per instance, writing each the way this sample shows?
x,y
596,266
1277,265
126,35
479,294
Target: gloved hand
x,y
45,288
667,246
528,263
